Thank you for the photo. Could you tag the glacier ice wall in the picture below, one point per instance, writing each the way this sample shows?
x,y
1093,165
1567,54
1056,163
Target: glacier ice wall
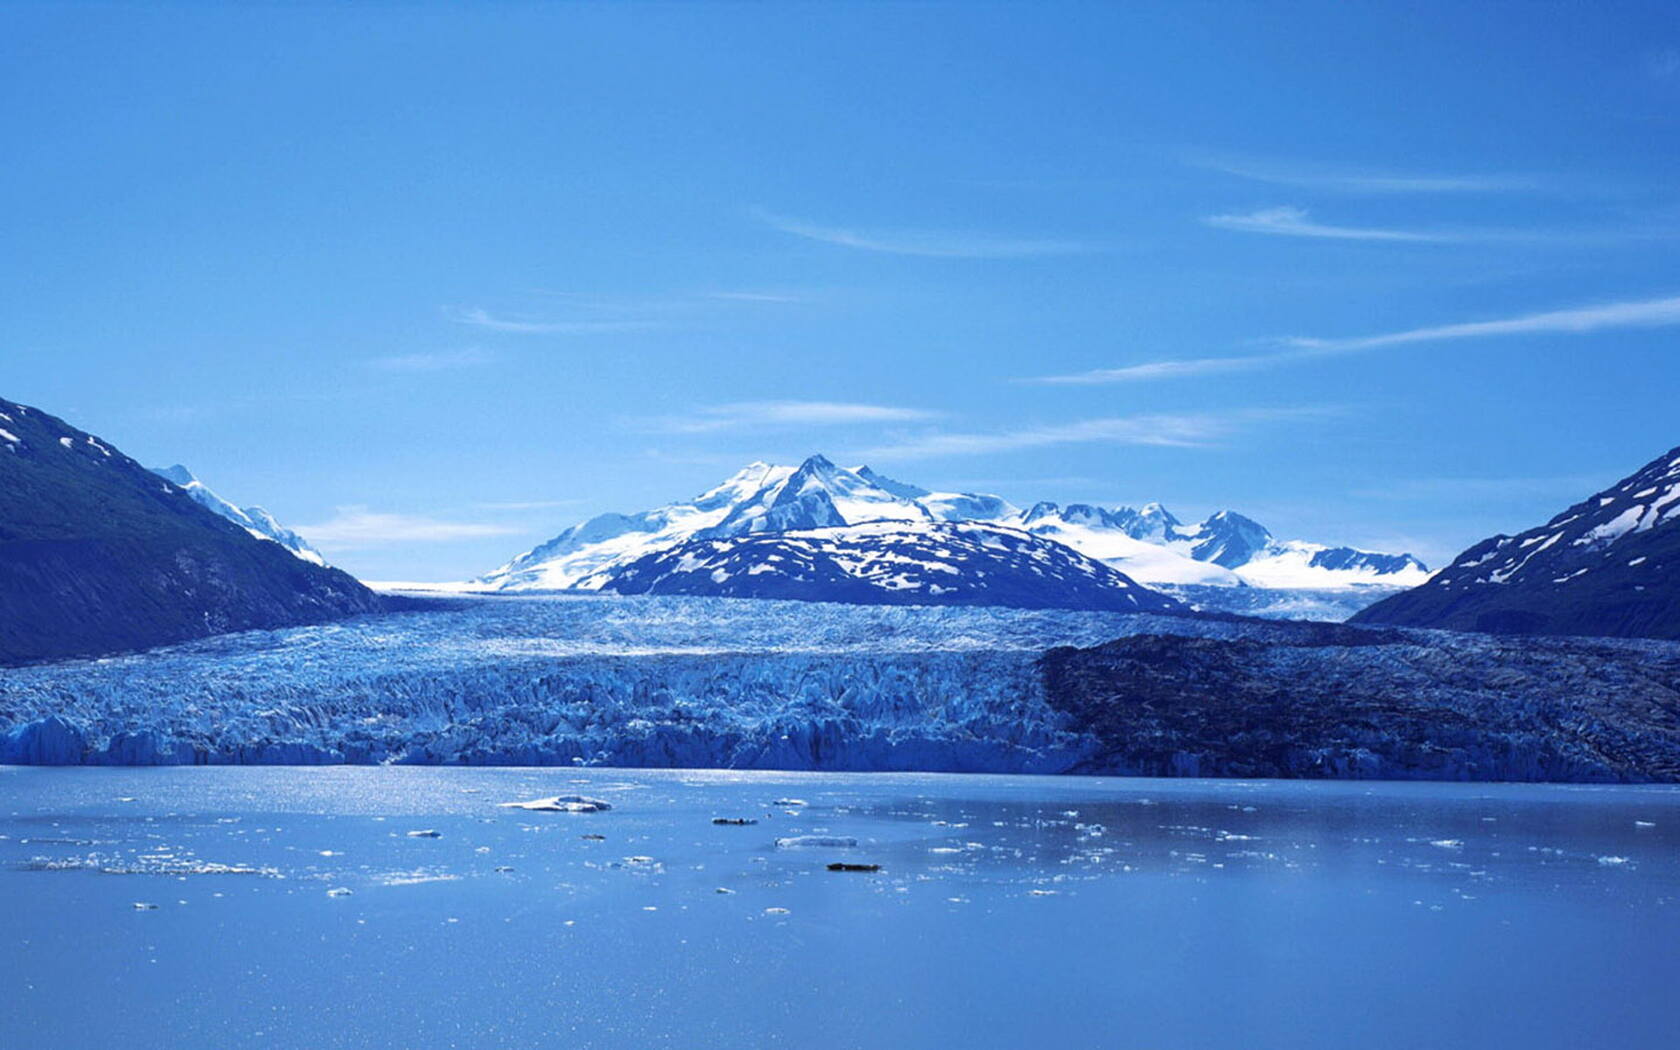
x,y
582,680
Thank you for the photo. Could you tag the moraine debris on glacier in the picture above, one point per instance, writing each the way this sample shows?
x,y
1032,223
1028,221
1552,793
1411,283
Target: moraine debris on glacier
x,y
689,682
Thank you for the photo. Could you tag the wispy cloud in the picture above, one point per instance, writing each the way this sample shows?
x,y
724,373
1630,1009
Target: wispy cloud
x,y
927,243
480,318
1162,430
1152,370
1367,181
1295,222
758,297
741,415
354,528
534,504
1648,313
441,361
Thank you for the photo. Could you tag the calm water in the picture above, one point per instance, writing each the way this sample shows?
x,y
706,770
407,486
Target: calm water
x,y
1009,912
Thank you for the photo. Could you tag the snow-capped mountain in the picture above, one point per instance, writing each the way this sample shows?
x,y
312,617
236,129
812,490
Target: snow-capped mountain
x,y
255,520
1227,550
887,562
1606,566
1149,545
1115,537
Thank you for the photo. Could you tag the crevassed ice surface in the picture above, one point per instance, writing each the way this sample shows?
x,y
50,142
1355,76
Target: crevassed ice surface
x,y
293,908
603,679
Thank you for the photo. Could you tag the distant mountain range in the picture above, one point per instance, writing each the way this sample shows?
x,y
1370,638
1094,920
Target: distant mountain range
x,y
1148,545
255,520
889,562
1606,566
99,554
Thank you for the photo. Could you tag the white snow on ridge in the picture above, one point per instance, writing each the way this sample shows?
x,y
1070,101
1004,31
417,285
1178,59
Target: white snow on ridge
x,y
255,520
1288,566
1148,545
1143,562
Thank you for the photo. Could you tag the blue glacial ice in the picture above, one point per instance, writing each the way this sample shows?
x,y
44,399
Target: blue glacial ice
x,y
598,680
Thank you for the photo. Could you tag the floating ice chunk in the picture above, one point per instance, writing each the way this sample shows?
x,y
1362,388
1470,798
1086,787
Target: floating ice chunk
x,y
1447,843
1644,823
777,911
816,842
1613,862
415,878
339,891
562,804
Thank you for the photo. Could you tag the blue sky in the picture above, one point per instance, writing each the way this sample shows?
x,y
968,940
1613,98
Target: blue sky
x,y
432,283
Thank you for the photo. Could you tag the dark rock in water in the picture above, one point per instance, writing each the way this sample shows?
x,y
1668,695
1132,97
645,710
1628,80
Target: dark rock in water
x,y
1608,566
99,555
735,821
843,866
1346,703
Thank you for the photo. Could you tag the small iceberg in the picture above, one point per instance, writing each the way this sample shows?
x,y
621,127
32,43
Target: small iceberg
x,y
816,842
562,804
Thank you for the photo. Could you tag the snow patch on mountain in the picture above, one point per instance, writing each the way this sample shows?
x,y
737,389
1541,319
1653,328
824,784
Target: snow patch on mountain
x,y
1147,544
1603,566
892,563
255,520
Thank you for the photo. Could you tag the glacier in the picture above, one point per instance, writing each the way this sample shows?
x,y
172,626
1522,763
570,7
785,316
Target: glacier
x,y
584,679
703,682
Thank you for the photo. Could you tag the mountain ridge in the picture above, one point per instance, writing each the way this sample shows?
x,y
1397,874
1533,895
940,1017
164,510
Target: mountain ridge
x,y
1603,566
1148,544
100,555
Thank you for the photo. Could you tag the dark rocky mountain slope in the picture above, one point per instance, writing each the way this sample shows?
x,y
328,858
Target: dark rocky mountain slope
x,y
98,555
893,563
1609,565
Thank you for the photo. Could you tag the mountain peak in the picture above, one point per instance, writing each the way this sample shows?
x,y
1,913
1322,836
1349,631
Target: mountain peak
x,y
1605,566
176,474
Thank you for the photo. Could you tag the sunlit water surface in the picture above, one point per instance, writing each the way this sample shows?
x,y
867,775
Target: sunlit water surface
x,y
273,907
